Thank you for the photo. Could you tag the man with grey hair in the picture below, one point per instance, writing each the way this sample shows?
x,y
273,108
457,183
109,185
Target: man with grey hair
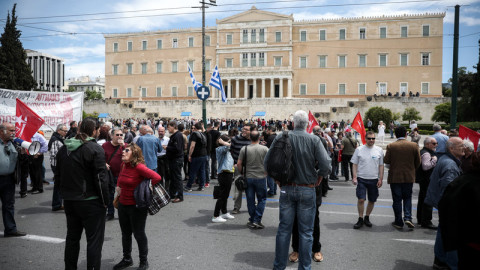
x,y
54,145
467,159
142,131
297,198
441,140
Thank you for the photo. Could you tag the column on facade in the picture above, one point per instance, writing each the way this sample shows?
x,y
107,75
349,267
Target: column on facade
x,y
230,92
44,76
281,88
254,88
272,88
245,88
289,88
263,87
237,88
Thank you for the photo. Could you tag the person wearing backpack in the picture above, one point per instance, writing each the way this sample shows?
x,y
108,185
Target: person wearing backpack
x,y
302,152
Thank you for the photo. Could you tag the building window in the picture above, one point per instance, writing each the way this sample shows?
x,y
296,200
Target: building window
x,y
129,92
261,59
425,59
253,36
144,68
362,60
174,91
159,67
322,89
174,66
362,87
403,59
129,69
383,32
403,87
115,47
159,44
278,36
129,46
342,61
382,88
229,39
174,43
253,59
207,65
115,92
190,64
342,34
382,60
341,89
159,91
229,62
426,30
261,38
323,35
245,36
244,59
115,69
404,31
277,61
303,35
144,45
322,60
363,33
207,40
425,88
303,89
303,62
190,91
190,42
144,92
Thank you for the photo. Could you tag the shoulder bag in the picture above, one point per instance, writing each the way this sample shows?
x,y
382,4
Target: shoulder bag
x,y
241,181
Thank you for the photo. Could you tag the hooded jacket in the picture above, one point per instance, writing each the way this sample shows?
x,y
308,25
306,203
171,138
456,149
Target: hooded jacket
x,y
81,171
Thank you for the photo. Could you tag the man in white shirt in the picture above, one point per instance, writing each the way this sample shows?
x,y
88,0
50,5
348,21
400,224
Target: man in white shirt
x,y
162,162
367,176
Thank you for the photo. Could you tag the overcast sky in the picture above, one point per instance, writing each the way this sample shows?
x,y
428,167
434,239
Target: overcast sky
x,y
47,25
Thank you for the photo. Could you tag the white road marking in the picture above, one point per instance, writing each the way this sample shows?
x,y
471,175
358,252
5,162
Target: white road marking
x,y
40,238
426,242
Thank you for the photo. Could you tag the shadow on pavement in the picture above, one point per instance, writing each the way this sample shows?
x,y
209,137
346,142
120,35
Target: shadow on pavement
x,y
106,264
258,260
375,228
406,265
35,210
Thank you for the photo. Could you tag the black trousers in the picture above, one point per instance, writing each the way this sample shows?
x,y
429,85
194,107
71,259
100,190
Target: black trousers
x,y
35,170
132,221
424,211
213,169
345,165
162,169
176,181
24,164
316,246
88,215
225,180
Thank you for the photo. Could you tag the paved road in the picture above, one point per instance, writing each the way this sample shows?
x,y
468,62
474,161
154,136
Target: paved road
x,y
182,236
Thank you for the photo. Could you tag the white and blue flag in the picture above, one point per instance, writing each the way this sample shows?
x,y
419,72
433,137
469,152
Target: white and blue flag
x,y
196,84
216,82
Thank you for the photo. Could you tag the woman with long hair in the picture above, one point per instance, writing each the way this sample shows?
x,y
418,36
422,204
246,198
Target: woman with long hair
x,y
131,218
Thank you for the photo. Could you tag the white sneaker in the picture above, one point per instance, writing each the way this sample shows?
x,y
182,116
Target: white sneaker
x,y
218,219
227,216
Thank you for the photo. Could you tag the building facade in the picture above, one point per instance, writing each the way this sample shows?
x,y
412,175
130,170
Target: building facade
x,y
84,83
262,54
47,70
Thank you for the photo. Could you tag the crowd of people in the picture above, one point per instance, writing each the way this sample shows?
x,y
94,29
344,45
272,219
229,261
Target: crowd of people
x,y
98,165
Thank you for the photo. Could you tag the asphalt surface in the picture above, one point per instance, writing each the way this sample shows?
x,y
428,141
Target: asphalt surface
x,y
182,236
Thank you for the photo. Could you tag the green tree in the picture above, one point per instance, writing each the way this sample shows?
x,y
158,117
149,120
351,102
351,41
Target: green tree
x,y
92,94
410,114
396,116
377,114
442,113
15,73
70,89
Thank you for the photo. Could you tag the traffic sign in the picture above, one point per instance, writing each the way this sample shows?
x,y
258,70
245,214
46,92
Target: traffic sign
x,y
203,92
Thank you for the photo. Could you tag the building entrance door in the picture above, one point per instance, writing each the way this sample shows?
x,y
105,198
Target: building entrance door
x,y
277,90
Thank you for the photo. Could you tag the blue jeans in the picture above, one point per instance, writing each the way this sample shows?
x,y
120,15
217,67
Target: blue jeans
x,y
448,257
272,186
299,202
402,192
197,167
207,170
256,186
7,196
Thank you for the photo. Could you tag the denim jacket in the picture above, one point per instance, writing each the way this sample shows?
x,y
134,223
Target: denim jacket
x,y
224,159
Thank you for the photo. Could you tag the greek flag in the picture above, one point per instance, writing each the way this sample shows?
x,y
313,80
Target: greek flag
x,y
216,82
196,84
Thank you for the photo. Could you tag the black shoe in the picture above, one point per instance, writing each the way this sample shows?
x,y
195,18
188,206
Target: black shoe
x,y
439,265
329,188
259,225
429,226
200,189
367,222
397,226
359,223
124,263
38,191
109,217
409,224
58,209
15,234
251,225
32,190
143,265
23,195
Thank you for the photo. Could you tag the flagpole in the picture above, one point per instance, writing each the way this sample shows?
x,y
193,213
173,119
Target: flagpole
x,y
204,105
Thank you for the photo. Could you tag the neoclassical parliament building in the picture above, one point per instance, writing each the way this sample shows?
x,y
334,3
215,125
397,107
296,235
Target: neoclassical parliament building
x,y
263,54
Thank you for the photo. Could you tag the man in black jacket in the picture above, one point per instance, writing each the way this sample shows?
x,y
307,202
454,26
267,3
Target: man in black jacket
x,y
80,173
175,150
429,160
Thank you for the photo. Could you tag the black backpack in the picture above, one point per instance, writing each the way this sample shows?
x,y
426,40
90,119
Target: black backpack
x,y
280,162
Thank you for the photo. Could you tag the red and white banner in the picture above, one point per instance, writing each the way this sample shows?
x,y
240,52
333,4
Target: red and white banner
x,y
468,134
27,123
312,122
357,124
53,107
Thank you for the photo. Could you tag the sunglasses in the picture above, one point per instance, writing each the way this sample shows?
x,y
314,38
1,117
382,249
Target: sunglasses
x,y
7,150
371,139
434,143
126,150
119,135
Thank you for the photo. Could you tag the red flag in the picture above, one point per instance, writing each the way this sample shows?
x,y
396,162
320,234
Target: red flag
x,y
357,124
27,123
312,122
468,134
